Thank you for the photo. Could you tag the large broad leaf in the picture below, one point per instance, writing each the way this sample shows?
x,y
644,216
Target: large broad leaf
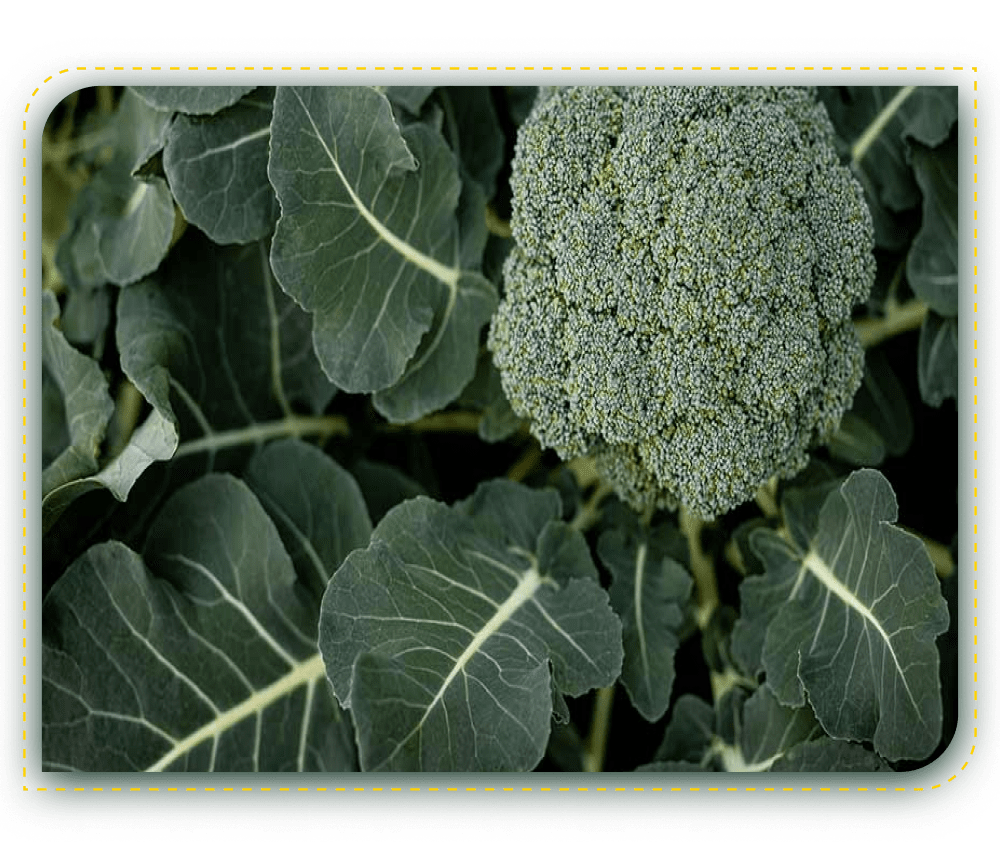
x,y
217,169
368,242
224,358
217,348
850,622
450,634
649,590
191,99
198,656
937,359
120,226
932,263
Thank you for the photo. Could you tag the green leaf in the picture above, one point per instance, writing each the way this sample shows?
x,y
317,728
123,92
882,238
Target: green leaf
x,y
930,113
932,263
55,431
857,442
851,622
752,734
444,635
485,394
876,123
689,733
473,130
881,402
119,226
760,597
520,99
86,315
368,243
801,504
76,412
77,390
877,120
410,97
191,99
649,591
937,359
769,731
217,170
198,656
316,507
830,756
216,347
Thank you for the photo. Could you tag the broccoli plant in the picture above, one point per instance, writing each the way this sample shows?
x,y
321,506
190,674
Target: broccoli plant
x,y
677,303
499,429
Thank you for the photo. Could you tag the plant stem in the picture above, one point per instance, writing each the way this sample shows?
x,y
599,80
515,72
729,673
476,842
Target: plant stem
x,y
526,462
600,724
496,225
456,421
128,405
767,499
897,319
289,427
590,511
702,568
874,129
735,557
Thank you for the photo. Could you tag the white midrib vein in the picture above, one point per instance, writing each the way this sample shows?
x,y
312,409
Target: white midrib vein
x,y
733,761
232,145
303,673
448,275
828,579
525,589
640,567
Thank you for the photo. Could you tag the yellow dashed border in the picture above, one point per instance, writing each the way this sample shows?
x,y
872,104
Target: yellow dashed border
x,y
492,69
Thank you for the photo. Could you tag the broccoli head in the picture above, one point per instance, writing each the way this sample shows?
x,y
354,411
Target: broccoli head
x,y
678,300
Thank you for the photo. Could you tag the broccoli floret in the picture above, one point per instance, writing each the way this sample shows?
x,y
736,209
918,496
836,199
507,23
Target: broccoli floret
x,y
678,300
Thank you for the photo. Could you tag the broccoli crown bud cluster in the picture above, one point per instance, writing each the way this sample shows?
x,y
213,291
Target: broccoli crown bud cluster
x,y
678,300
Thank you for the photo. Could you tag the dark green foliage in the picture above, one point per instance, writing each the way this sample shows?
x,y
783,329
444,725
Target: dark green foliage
x,y
295,516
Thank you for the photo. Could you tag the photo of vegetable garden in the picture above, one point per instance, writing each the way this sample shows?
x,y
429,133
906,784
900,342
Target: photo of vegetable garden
x,y
499,429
